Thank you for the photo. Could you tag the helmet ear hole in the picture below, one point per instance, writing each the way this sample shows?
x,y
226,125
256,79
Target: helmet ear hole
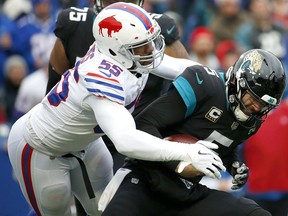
x,y
112,52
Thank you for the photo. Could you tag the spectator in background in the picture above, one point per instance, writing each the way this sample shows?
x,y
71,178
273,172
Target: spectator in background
x,y
75,3
32,91
37,37
15,9
201,47
280,12
266,157
227,52
7,29
262,32
194,13
156,6
15,70
227,19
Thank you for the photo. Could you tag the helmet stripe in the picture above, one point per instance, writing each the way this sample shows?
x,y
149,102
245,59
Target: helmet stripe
x,y
135,11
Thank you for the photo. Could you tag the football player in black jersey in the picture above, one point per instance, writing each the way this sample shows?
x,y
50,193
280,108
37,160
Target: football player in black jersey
x,y
74,36
222,108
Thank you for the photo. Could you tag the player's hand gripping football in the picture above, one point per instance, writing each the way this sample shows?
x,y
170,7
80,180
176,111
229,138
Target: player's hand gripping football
x,y
240,174
204,159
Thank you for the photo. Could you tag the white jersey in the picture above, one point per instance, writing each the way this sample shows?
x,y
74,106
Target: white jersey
x,y
64,121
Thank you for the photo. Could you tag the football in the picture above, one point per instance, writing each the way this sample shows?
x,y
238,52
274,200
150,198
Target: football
x,y
184,138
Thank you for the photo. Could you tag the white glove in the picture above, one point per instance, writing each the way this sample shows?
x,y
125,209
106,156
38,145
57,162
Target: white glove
x,y
204,159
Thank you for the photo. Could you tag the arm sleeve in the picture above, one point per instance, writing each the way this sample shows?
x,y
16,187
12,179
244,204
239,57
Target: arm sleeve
x,y
118,124
169,109
229,159
170,68
169,28
165,111
53,78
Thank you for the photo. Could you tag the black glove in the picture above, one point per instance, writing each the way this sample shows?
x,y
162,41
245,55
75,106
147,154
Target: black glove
x,y
240,174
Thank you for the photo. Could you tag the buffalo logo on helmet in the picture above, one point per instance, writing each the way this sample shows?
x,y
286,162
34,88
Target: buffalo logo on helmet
x,y
111,24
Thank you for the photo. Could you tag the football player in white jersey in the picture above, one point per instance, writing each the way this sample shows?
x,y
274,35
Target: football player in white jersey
x,y
56,148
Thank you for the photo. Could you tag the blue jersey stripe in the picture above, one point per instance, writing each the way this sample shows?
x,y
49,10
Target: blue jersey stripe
x,y
103,83
133,10
187,93
108,94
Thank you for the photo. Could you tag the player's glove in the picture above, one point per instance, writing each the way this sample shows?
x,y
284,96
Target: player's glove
x,y
240,174
204,159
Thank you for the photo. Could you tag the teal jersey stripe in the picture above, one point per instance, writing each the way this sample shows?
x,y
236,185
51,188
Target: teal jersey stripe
x,y
187,93
222,75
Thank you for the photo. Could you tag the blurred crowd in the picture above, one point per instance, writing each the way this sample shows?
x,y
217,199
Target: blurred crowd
x,y
214,32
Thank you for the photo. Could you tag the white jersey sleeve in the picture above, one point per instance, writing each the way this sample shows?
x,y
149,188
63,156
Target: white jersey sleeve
x,y
118,124
170,68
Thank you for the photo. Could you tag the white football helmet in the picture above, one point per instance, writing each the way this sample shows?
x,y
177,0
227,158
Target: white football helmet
x,y
100,4
120,28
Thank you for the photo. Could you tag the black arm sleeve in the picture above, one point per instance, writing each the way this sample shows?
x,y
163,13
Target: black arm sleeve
x,y
167,110
169,28
164,112
228,160
53,78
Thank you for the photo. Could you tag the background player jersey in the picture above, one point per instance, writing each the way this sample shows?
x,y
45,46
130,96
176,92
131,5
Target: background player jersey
x,y
74,28
71,125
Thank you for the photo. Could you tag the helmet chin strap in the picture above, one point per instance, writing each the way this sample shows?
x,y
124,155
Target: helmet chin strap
x,y
240,115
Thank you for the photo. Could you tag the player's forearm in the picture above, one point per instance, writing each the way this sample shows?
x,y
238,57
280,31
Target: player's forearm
x,y
170,67
53,78
118,124
140,145
58,58
176,50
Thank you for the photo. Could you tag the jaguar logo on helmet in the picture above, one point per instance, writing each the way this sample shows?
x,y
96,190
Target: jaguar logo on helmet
x,y
111,24
254,62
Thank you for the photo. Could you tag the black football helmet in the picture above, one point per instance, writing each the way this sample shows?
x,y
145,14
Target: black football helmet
x,y
100,4
261,74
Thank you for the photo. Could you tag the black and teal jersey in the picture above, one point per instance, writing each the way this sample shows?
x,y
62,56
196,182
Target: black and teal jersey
x,y
197,104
